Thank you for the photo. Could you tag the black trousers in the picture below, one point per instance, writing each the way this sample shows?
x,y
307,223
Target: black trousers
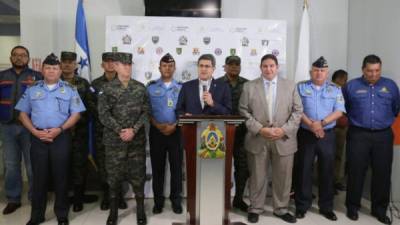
x,y
50,159
366,148
310,147
160,147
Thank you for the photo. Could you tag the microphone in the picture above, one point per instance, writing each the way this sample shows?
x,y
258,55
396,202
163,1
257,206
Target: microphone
x,y
204,90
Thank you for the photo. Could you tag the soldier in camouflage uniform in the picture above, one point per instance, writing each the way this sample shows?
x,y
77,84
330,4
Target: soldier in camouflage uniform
x,y
97,85
123,108
80,135
236,82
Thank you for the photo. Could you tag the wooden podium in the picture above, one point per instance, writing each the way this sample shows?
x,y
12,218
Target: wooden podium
x,y
208,143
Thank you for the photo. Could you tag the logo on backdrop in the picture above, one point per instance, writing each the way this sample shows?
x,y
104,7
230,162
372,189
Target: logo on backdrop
x,y
206,40
183,40
127,39
245,42
155,39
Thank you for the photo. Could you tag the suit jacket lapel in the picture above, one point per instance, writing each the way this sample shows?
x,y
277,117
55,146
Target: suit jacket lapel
x,y
280,91
261,92
197,95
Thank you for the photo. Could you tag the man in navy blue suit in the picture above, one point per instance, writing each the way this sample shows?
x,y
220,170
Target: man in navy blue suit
x,y
205,95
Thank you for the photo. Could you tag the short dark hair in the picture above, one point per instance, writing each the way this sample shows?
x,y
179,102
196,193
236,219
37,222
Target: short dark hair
x,y
339,74
20,47
208,57
269,56
371,59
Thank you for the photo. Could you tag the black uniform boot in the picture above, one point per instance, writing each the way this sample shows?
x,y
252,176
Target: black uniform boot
x,y
113,216
140,214
77,204
121,201
105,203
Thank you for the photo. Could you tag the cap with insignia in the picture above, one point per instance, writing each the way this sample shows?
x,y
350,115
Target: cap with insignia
x,y
68,56
51,60
320,63
123,57
167,58
108,56
233,59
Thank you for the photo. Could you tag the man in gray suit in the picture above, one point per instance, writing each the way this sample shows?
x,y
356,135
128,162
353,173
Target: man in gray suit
x,y
273,110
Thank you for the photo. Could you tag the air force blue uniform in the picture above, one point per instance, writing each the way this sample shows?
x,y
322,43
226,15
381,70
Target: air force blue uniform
x,y
371,109
318,103
50,109
163,102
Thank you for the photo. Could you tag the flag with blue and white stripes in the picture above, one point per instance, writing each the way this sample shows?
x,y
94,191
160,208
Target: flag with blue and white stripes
x,y
83,56
81,43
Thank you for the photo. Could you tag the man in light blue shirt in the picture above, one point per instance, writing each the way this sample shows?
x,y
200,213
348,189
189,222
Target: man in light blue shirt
x,y
48,110
323,104
164,136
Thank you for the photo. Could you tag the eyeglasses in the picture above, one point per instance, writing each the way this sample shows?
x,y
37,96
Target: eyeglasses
x,y
19,55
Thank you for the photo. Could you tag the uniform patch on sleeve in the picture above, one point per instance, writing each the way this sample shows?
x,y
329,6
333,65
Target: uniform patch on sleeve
x,y
76,101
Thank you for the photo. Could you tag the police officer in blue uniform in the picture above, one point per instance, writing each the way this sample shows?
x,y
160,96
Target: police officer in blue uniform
x,y
48,110
372,104
164,136
323,104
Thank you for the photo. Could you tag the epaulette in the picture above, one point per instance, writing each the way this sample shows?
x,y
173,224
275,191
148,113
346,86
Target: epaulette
x,y
151,82
302,82
37,82
334,84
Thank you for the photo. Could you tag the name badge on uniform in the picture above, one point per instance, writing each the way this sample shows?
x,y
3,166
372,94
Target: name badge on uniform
x,y
38,94
62,90
170,103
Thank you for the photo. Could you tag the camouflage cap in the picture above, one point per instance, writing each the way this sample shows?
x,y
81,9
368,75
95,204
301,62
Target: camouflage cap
x,y
167,58
320,63
233,59
68,56
108,56
51,60
123,57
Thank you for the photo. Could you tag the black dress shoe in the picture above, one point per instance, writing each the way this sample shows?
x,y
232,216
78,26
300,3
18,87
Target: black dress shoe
x,y
177,208
30,222
353,215
287,217
105,204
252,217
122,204
11,207
330,215
157,209
77,206
300,214
63,222
238,203
382,218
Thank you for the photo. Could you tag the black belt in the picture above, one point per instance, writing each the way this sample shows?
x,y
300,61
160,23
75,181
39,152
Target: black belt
x,y
370,129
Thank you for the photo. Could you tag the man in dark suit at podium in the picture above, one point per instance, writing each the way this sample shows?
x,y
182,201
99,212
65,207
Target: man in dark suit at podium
x,y
205,95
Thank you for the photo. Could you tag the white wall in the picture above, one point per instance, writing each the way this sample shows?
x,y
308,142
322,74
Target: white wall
x,y
328,25
6,44
51,28
374,28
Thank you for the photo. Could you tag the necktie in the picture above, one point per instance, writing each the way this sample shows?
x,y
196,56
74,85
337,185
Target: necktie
x,y
270,100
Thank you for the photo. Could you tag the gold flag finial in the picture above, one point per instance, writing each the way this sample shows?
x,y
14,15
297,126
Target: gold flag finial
x,y
305,4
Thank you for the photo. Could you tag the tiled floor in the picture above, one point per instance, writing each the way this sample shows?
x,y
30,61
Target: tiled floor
x,y
92,215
